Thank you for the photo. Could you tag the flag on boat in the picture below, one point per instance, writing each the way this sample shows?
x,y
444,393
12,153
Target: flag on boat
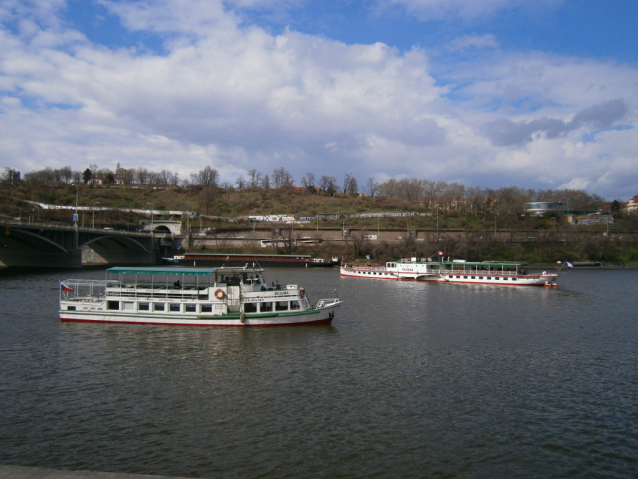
x,y
65,288
441,253
568,264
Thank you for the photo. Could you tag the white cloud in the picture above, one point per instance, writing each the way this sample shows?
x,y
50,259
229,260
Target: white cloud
x,y
237,98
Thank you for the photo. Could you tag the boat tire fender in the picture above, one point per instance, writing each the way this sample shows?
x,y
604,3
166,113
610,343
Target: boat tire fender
x,y
219,294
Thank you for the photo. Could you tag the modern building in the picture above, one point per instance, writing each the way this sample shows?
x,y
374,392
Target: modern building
x,y
541,207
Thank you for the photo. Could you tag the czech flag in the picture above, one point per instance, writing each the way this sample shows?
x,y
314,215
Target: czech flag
x,y
65,288
568,264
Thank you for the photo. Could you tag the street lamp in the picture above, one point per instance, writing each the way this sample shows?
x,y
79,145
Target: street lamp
x,y
93,220
152,212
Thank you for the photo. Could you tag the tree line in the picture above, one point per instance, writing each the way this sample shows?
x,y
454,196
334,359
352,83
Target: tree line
x,y
422,194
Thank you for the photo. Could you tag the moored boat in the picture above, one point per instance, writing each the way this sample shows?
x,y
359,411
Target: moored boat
x,y
455,271
191,296
227,259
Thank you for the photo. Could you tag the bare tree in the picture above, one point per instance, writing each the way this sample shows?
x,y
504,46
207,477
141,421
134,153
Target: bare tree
x,y
205,177
328,184
265,182
308,180
372,187
254,178
281,178
240,182
350,184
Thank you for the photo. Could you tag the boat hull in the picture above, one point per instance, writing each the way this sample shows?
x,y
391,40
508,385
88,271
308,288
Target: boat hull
x,y
544,279
319,316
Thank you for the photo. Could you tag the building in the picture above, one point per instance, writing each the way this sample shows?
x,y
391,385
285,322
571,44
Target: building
x,y
632,205
541,207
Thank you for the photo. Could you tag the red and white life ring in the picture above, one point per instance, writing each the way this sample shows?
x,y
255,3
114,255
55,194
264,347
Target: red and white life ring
x,y
302,293
219,294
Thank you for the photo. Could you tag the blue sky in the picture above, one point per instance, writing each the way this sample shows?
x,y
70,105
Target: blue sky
x,y
538,94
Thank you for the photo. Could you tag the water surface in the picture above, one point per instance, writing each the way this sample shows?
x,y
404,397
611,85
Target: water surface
x,y
410,380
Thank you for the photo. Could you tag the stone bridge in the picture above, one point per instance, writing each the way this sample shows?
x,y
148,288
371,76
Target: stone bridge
x,y
51,246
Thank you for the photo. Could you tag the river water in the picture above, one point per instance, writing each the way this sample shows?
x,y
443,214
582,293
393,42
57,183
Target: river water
x,y
410,380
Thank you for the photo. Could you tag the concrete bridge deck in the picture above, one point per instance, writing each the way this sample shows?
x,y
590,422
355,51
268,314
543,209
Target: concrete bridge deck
x,y
23,472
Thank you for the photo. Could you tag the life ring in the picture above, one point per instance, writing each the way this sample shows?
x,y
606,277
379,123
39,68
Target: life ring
x,y
302,293
458,271
219,294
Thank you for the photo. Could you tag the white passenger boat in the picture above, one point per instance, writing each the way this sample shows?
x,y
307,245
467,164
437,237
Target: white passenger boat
x,y
456,271
191,296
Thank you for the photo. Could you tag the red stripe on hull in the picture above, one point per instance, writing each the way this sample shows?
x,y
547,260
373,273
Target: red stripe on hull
x,y
318,321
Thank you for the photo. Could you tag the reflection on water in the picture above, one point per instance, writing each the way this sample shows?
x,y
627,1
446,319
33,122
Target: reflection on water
x,y
411,380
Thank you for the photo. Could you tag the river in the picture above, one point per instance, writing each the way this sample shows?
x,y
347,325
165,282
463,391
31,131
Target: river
x,y
411,380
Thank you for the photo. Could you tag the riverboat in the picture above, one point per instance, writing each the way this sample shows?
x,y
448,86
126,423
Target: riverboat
x,y
230,296
455,271
265,260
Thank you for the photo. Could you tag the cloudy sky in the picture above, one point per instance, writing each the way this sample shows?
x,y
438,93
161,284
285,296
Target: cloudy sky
x,y
532,93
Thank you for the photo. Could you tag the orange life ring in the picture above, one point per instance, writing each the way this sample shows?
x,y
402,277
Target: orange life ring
x,y
302,293
219,294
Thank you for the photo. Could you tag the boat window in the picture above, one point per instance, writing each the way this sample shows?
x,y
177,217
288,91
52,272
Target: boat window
x,y
126,306
464,277
113,305
264,307
207,308
174,307
480,277
143,306
514,279
70,308
158,307
250,307
473,277
281,306
488,277
190,308
295,305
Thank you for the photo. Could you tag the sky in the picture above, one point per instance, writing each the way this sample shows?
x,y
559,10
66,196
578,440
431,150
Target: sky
x,y
539,94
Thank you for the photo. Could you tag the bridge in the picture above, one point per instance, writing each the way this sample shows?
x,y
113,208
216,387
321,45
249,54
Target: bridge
x,y
54,246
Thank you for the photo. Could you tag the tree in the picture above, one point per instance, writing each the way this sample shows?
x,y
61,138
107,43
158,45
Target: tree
x,y
308,181
240,182
372,187
281,178
86,176
328,184
350,184
265,182
205,177
254,178
142,176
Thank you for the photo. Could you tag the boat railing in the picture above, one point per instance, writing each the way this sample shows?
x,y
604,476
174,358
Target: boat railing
x,y
84,289
481,272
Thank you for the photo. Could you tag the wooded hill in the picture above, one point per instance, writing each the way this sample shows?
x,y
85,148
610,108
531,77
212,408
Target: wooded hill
x,y
466,219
